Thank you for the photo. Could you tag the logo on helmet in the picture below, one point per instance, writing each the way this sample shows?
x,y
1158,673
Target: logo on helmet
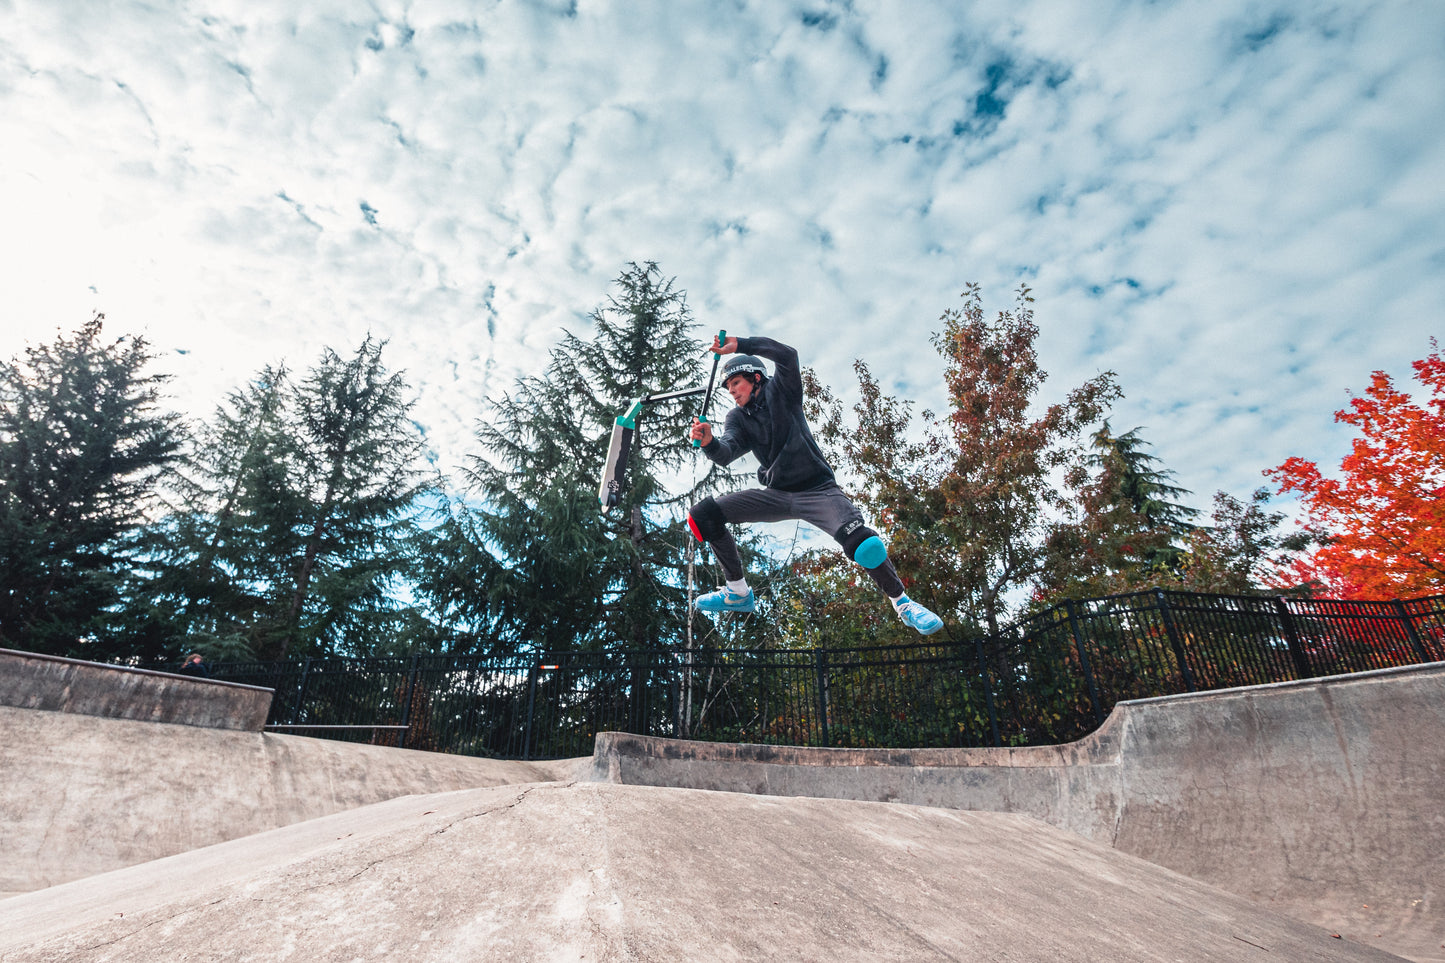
x,y
742,364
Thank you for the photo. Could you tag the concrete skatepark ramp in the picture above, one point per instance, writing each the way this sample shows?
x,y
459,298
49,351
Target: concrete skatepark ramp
x,y
1323,799
604,872
1256,813
87,784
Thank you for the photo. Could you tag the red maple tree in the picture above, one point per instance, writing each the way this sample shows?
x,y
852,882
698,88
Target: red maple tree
x,y
1386,515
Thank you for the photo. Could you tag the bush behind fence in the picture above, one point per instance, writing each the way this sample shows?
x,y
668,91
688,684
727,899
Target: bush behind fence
x,y
1047,679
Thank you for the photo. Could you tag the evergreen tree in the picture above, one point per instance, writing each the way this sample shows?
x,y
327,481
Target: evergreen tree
x,y
1133,535
82,444
1130,479
360,484
1127,533
299,515
545,568
214,579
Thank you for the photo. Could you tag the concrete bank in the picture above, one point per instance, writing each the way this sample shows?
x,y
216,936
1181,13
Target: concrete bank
x,y
622,873
1323,799
32,681
81,794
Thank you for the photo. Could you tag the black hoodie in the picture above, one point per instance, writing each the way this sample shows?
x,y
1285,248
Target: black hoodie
x,y
771,426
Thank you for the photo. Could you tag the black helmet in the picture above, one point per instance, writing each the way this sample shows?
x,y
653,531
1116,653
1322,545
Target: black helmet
x,y
742,364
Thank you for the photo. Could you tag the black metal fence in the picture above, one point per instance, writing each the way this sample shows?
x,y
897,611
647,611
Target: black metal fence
x,y
1049,678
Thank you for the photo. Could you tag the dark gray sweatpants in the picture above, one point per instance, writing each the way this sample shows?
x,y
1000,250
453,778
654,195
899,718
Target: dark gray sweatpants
x,y
828,509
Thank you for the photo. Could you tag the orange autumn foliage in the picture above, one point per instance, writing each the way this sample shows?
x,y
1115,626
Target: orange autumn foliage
x,y
1386,514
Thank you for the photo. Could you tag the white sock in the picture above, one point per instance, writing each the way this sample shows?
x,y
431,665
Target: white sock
x,y
740,587
898,600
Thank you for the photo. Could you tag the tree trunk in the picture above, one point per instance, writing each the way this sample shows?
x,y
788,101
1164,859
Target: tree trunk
x,y
313,548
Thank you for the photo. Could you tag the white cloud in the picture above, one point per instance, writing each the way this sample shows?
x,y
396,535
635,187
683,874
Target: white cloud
x,y
1236,207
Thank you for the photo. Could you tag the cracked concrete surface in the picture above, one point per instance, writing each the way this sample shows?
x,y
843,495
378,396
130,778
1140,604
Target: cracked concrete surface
x,y
605,872
1296,798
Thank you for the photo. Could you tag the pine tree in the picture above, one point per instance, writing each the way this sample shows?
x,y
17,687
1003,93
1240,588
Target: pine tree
x,y
213,581
298,517
82,444
360,483
546,569
1127,533
1132,480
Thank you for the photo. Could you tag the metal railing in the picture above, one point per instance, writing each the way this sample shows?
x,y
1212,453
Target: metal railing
x,y
1050,678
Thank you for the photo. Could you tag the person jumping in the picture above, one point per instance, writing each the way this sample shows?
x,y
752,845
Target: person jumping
x,y
798,482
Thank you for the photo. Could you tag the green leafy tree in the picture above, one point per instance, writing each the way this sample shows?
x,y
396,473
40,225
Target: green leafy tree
x,y
971,502
823,600
1242,550
83,441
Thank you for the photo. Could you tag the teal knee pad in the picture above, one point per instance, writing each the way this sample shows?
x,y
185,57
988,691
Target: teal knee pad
x,y
871,552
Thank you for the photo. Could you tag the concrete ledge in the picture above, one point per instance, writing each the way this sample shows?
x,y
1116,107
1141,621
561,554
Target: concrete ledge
x,y
1102,745
32,681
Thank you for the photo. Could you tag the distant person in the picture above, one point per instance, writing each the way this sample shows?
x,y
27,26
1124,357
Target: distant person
x,y
768,422
196,665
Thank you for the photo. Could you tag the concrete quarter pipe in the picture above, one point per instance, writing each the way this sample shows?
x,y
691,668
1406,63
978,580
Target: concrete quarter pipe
x,y
1299,800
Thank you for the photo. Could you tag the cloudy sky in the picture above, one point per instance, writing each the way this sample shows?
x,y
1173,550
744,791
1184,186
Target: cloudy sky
x,y
1237,206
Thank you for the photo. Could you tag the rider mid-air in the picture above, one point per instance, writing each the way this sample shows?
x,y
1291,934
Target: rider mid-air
x,y
798,483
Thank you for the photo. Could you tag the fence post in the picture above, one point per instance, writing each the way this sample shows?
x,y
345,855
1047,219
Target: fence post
x,y
820,669
1175,640
987,689
1416,642
531,701
1291,637
1084,667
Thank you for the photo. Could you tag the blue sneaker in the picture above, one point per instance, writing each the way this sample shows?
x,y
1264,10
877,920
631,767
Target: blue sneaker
x,y
725,600
917,616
